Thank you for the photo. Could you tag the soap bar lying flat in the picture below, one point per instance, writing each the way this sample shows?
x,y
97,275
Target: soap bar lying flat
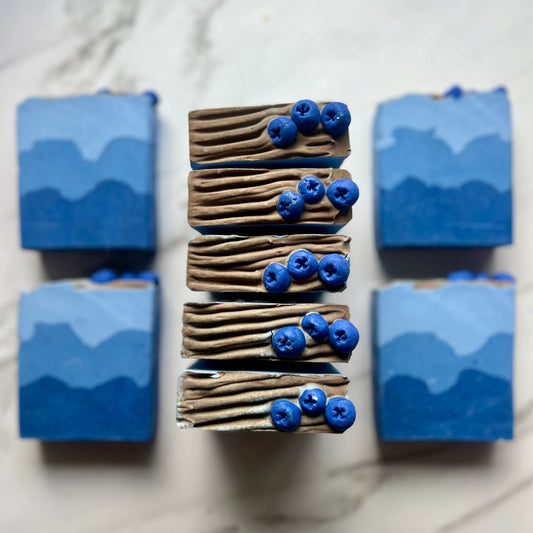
x,y
246,200
231,263
88,361
225,397
238,137
87,167
443,360
442,170
230,330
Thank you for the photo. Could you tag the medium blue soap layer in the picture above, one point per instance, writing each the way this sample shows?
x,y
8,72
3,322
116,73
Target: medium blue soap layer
x,y
88,362
443,361
442,171
87,172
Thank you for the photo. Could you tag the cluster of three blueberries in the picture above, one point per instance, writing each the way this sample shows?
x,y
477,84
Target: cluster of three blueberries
x,y
333,271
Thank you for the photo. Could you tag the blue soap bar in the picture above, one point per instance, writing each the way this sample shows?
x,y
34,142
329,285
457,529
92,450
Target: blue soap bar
x,y
442,171
443,360
87,168
88,361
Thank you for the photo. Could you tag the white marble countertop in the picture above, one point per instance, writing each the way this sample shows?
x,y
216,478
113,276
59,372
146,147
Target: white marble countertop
x,y
228,52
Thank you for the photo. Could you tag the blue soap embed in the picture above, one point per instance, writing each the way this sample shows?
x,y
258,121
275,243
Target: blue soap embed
x,y
443,360
87,172
442,171
88,361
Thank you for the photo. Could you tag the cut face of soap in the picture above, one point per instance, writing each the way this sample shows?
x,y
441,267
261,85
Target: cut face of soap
x,y
230,397
231,263
238,137
244,331
245,201
442,171
87,172
88,361
443,360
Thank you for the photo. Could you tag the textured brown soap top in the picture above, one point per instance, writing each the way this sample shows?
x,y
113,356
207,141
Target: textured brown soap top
x,y
237,400
232,263
240,134
231,330
249,197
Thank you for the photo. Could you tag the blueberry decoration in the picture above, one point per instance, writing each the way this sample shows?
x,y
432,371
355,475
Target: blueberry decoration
x,y
460,275
340,413
335,118
302,265
290,205
285,415
311,189
343,194
154,99
503,276
343,336
104,275
312,402
333,270
276,278
455,92
147,275
282,131
315,325
288,342
306,115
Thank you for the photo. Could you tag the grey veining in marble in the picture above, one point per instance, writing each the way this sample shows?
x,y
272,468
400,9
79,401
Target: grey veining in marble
x,y
211,53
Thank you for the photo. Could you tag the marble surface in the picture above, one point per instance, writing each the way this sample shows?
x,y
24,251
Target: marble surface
x,y
223,53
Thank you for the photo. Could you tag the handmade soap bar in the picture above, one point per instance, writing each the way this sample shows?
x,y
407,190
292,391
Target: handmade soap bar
x,y
308,398
444,360
231,330
88,361
266,263
270,136
87,172
442,170
251,200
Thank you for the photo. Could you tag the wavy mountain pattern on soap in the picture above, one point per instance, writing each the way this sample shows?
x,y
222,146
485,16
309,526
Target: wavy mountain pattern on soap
x,y
421,155
56,351
60,165
473,214
434,362
478,407
110,215
115,410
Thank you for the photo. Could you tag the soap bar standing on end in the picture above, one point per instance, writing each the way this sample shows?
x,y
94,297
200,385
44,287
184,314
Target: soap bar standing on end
x,y
87,172
88,361
239,137
442,171
228,396
231,263
443,360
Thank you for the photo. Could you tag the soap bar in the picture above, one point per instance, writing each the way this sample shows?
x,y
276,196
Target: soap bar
x,y
228,397
248,200
442,167
232,330
88,361
443,360
239,137
87,166
261,264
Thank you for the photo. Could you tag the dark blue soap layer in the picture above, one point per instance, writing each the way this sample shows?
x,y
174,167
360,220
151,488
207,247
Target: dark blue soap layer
x,y
110,216
475,214
308,162
272,229
477,408
118,410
